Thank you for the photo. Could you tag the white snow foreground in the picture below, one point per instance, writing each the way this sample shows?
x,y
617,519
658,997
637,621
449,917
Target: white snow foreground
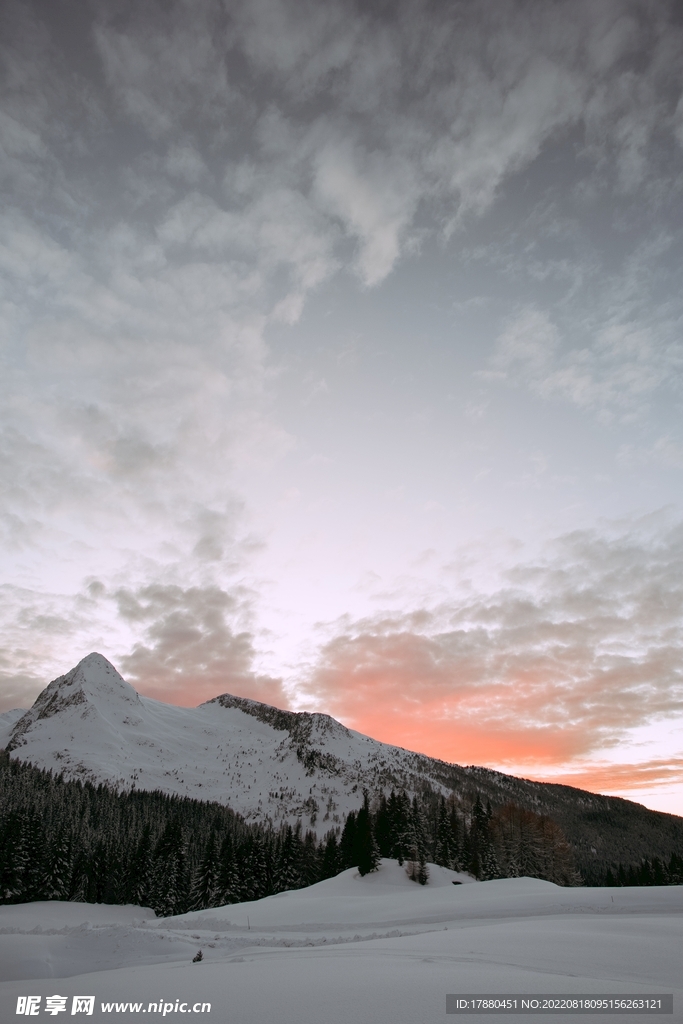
x,y
265,763
377,949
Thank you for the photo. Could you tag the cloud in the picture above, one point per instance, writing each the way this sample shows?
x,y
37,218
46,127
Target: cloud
x,y
166,66
179,644
615,374
179,177
666,451
191,650
375,197
36,628
527,347
572,653
615,778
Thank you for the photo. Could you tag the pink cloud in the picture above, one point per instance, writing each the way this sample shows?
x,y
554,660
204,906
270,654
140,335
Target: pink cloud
x,y
615,778
572,654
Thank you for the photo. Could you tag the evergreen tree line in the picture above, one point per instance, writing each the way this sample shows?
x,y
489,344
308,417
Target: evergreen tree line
x,y
74,841
506,843
649,872
64,840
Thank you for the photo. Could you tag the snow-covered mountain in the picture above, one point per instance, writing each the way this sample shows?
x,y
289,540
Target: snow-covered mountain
x,y
265,763
8,719
273,765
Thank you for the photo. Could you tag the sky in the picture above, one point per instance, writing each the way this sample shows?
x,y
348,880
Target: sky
x,y
342,367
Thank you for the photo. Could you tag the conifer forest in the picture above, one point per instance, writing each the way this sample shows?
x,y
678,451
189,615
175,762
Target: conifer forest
x,y
67,840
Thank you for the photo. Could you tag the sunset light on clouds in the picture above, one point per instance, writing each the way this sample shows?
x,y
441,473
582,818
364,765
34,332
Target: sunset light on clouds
x,y
342,368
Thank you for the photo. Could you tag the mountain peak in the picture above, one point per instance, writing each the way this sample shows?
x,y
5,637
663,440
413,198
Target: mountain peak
x,y
94,684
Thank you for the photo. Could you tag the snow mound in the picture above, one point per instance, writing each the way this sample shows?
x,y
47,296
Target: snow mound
x,y
44,915
389,875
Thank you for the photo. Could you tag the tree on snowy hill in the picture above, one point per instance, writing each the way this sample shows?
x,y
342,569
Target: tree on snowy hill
x,y
204,892
483,863
457,837
416,862
366,850
443,854
655,872
331,860
227,885
347,843
57,878
171,889
288,872
533,845
400,825
310,860
13,858
140,867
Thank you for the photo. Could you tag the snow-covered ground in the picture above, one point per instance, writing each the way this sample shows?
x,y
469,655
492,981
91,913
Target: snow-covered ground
x,y
375,949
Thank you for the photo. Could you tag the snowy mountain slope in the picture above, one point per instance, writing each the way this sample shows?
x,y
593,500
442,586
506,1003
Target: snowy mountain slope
x,y
8,720
376,949
265,763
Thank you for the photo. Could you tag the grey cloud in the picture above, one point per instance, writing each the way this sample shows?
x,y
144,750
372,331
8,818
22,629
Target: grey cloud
x,y
193,647
216,530
449,103
193,642
33,625
168,64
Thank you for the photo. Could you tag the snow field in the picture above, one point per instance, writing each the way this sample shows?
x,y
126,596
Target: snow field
x,y
376,949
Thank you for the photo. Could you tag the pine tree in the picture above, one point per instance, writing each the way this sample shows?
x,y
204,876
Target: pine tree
x,y
477,839
98,866
13,858
310,866
170,883
260,872
456,837
228,877
58,863
489,860
204,891
331,857
404,831
383,826
287,876
366,851
36,850
347,844
140,869
442,846
79,879
416,839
